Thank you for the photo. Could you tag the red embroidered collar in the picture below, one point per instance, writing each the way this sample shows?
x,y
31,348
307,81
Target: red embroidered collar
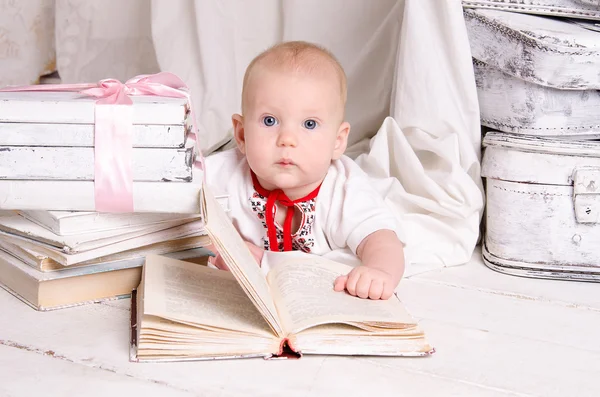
x,y
278,195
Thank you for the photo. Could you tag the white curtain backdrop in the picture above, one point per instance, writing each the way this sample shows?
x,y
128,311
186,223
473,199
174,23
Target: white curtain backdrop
x,y
412,99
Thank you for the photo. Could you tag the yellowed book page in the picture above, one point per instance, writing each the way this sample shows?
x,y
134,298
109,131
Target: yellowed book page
x,y
191,293
238,258
303,290
181,338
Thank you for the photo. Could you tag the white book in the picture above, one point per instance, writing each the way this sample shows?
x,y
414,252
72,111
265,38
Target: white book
x,y
75,286
43,263
68,223
191,229
162,197
74,108
82,135
20,226
77,163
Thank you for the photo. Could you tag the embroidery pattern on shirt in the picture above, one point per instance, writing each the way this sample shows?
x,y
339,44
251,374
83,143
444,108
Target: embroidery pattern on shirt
x,y
303,239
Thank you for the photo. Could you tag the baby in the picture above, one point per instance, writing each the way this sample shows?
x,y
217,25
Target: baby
x,y
289,183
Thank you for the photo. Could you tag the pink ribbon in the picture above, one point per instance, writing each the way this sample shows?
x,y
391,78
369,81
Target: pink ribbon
x,y
113,176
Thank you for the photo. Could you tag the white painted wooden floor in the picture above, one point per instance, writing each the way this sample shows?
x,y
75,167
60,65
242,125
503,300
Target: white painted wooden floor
x,y
495,335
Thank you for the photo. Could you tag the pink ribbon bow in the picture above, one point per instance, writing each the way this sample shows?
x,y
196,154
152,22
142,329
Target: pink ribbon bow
x,y
113,176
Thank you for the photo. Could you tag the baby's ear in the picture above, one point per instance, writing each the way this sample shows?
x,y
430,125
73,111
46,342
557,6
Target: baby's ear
x,y
341,140
238,131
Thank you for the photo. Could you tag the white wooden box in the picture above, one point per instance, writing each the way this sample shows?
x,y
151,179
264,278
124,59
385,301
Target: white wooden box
x,y
543,206
547,51
509,104
585,9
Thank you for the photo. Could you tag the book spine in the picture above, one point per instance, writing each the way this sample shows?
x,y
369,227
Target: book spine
x,y
72,108
93,222
68,163
82,135
79,196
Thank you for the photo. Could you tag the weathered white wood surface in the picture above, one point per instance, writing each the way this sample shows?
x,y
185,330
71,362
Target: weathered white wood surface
x,y
74,108
520,158
510,104
533,213
51,376
540,50
495,335
586,9
82,135
166,197
536,224
77,164
526,269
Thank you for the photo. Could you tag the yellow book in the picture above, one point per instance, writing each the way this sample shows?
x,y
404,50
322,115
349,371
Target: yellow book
x,y
77,285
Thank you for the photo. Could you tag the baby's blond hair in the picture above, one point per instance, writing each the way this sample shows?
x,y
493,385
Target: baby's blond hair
x,y
296,56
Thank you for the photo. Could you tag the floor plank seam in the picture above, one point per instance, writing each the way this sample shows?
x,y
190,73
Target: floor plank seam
x,y
504,333
569,305
107,304
466,382
53,354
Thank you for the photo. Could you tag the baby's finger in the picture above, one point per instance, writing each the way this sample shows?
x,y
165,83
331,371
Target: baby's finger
x,y
340,283
218,262
388,291
363,285
353,277
376,290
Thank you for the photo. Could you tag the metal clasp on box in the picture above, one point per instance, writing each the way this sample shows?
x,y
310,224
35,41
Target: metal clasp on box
x,y
586,194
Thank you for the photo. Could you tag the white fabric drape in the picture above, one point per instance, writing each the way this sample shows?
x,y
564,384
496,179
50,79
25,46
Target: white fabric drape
x,y
406,59
100,39
412,99
26,41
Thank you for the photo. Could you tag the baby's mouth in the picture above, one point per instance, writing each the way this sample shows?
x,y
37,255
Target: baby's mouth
x,y
285,162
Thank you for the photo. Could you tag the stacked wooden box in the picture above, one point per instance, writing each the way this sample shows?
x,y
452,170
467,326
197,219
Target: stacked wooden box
x,y
538,87
55,250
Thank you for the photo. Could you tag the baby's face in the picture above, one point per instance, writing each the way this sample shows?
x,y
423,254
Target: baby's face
x,y
292,129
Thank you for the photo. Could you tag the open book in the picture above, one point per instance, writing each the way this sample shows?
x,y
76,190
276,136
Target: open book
x,y
187,312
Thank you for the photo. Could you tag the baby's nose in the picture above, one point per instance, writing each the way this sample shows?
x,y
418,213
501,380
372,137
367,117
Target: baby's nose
x,y
286,138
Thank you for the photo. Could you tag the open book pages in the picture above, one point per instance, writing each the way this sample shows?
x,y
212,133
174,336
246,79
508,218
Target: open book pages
x,y
238,258
192,312
185,310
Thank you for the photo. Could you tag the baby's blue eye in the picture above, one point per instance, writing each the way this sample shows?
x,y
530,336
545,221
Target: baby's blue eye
x,y
269,121
310,124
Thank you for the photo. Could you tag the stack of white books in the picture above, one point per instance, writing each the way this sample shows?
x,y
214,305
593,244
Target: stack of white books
x,y
95,256
55,249
47,153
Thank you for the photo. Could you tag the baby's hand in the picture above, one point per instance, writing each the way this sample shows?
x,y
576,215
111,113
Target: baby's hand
x,y
366,282
218,261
